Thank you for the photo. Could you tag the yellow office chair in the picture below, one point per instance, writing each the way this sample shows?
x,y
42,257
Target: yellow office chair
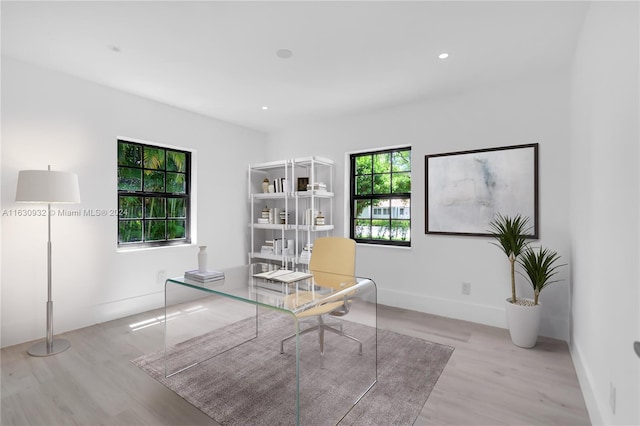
x,y
333,264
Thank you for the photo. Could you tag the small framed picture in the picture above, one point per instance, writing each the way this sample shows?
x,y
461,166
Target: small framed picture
x,y
302,183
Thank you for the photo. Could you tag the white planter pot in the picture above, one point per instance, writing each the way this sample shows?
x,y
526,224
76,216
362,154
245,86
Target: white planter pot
x,y
523,322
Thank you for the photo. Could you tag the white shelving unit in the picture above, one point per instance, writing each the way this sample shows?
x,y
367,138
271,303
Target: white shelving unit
x,y
300,225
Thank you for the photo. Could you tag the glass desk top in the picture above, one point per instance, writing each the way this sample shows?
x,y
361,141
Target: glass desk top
x,y
266,285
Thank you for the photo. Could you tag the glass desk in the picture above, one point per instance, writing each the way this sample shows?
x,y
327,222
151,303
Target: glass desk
x,y
253,303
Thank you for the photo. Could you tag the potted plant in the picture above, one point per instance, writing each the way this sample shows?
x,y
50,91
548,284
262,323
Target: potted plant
x,y
510,234
524,317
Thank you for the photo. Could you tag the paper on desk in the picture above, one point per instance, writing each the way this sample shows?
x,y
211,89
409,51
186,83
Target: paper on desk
x,y
284,275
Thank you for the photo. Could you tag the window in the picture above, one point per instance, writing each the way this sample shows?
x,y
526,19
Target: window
x,y
153,195
381,197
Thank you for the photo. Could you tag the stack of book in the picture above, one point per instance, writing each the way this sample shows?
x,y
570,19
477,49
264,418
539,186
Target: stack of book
x,y
261,220
204,276
318,186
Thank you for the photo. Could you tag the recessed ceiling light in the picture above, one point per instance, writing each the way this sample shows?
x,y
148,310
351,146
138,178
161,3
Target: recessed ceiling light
x,y
265,107
443,55
284,53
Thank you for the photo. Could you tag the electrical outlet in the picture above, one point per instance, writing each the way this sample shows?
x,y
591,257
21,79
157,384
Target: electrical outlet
x,y
466,289
162,276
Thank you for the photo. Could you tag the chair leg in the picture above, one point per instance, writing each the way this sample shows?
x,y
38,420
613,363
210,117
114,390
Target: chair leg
x,y
321,327
341,333
305,331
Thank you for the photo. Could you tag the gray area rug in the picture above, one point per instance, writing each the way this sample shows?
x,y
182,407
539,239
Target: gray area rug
x,y
254,384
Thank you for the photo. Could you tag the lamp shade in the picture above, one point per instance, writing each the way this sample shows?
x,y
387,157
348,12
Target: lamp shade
x,y
47,186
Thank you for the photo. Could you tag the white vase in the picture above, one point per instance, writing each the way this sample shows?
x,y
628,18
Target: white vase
x,y
523,322
202,259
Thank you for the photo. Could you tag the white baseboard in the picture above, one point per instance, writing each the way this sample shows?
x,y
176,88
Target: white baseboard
x,y
585,380
481,314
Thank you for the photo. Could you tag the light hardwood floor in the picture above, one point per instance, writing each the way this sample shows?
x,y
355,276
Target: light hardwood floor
x,y
488,381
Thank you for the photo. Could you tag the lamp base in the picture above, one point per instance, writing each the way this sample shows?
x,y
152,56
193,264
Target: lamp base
x,y
42,349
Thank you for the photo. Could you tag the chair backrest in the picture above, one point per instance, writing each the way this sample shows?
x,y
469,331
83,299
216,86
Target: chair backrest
x,y
336,257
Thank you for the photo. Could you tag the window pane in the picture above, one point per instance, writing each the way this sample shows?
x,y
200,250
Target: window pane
x,y
153,181
363,165
382,163
380,229
400,209
129,179
176,208
400,230
401,182
153,158
176,183
154,207
363,209
131,208
381,209
130,231
176,229
176,161
155,230
363,229
401,161
382,184
129,154
363,185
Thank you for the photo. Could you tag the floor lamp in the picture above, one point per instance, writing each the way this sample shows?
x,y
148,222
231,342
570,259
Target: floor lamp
x,y
50,187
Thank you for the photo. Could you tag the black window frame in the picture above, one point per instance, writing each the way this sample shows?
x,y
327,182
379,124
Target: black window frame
x,y
186,196
353,198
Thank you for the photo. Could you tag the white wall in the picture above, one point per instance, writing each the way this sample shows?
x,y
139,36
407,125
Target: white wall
x,y
428,276
49,118
604,212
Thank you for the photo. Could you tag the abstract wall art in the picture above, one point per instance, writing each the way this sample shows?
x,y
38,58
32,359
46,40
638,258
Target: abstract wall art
x,y
466,189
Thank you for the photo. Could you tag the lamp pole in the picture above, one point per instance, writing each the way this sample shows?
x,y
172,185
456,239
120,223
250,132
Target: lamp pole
x,y
50,346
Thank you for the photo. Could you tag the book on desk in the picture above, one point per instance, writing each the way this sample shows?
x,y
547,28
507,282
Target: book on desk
x,y
204,276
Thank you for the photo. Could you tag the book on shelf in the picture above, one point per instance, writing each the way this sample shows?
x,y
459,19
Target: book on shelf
x,y
204,276
284,275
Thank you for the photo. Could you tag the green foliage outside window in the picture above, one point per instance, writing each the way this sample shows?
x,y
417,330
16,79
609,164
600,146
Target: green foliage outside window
x,y
153,194
381,196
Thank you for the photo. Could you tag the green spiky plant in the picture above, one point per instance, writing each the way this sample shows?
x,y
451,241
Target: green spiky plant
x,y
510,234
539,267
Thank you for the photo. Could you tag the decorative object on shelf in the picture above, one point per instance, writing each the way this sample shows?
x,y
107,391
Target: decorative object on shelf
x,y
320,219
271,189
284,217
47,187
265,185
302,183
464,190
202,259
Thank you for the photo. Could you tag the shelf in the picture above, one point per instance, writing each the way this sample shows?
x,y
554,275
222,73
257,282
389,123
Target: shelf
x,y
273,226
317,228
314,193
277,257
297,204
271,195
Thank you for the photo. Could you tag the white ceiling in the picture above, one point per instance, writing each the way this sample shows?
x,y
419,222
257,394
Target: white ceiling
x,y
219,58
